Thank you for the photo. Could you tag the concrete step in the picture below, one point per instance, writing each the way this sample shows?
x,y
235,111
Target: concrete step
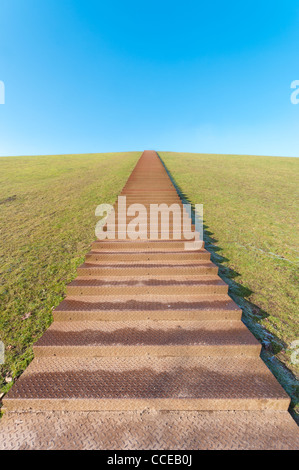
x,y
151,190
139,245
156,199
204,285
138,338
148,229
143,199
144,224
121,219
122,210
147,307
148,430
114,235
135,269
161,256
150,185
172,383
121,213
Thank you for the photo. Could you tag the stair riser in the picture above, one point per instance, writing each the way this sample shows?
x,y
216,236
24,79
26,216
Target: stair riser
x,y
161,257
144,290
164,244
159,351
135,246
115,250
123,216
152,199
133,272
148,202
149,185
128,264
142,280
161,187
146,218
164,236
147,227
148,205
136,315
126,404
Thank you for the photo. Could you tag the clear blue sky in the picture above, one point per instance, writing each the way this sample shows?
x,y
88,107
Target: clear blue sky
x,y
84,76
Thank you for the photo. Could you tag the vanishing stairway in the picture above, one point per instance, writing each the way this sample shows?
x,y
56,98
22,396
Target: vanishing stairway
x,y
149,325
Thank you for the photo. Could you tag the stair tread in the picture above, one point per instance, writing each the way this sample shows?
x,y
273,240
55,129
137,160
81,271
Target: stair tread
x,y
143,302
136,264
125,280
150,253
217,380
128,263
159,430
154,281
138,242
138,249
130,333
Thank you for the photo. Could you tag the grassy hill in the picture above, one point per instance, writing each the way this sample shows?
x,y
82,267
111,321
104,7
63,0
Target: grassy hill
x,y
251,223
47,221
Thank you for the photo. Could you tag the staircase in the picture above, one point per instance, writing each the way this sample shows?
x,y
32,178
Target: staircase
x,y
147,339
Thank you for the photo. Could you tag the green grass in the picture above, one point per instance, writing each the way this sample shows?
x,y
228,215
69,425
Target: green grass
x,y
47,222
250,216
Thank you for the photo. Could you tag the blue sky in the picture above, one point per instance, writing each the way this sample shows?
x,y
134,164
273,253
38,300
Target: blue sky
x,y
93,76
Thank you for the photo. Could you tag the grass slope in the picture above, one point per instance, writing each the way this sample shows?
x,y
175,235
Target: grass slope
x,y
47,222
250,215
